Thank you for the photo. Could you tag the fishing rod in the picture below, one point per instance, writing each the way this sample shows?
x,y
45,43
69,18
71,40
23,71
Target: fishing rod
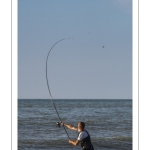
x,y
58,123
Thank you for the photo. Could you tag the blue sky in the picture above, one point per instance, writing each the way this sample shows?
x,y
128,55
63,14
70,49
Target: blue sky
x,y
78,68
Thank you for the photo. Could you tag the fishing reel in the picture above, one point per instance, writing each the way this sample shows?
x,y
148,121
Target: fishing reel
x,y
58,124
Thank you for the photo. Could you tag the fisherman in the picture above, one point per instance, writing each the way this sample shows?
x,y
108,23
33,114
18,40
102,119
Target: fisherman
x,y
83,136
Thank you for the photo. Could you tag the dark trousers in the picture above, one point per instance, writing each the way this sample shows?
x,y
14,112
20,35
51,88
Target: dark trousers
x,y
90,148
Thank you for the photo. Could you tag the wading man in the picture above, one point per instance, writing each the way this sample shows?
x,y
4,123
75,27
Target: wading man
x,y
83,136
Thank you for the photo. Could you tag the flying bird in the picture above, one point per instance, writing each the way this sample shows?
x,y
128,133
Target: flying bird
x,y
103,46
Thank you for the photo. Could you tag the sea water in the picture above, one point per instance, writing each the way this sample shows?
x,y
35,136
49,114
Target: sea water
x,y
109,123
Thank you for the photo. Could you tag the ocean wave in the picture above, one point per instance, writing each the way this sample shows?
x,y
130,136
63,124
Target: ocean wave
x,y
116,138
123,143
108,122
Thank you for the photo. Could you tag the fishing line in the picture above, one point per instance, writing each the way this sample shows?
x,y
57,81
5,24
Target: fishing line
x,y
49,86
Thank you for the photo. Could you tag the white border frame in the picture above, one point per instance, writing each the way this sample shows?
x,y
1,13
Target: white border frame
x,y
14,76
135,74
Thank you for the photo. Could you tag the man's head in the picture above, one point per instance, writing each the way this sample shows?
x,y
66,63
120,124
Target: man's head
x,y
81,126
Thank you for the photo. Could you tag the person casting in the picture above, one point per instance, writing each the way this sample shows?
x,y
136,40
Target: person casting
x,y
83,136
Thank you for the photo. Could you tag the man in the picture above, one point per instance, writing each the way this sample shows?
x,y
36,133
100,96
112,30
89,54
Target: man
x,y
83,136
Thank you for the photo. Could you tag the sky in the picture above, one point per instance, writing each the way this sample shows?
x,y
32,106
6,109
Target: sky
x,y
81,67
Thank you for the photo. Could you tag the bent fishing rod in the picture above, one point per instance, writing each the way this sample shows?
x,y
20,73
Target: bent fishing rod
x,y
58,124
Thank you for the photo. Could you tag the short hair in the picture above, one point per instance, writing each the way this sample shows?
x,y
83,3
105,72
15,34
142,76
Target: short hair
x,y
82,125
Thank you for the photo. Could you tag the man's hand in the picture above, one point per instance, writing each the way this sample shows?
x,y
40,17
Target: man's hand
x,y
70,141
69,126
74,142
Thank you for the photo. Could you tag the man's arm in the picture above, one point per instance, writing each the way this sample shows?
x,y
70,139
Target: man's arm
x,y
69,126
75,143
